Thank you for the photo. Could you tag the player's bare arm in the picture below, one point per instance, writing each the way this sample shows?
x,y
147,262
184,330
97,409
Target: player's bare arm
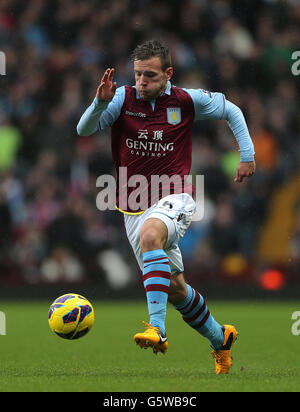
x,y
107,87
245,169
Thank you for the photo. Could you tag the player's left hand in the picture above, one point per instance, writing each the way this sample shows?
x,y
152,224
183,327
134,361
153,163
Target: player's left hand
x,y
245,169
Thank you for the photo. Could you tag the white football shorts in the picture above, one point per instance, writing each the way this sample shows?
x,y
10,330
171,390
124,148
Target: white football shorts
x,y
176,211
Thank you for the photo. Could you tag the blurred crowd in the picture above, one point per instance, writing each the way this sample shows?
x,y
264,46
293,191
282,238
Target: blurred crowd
x,y
56,52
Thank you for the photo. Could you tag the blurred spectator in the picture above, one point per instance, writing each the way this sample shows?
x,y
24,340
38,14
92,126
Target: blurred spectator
x,y
117,271
61,266
28,253
10,141
234,39
67,229
56,52
6,226
223,234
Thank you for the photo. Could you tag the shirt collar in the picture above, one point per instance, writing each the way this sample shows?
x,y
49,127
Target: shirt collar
x,y
167,91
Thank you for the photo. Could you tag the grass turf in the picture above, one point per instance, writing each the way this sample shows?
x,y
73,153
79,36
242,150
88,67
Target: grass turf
x,y
106,360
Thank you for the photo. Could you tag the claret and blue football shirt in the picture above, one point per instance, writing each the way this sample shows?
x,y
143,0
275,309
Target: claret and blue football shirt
x,y
154,138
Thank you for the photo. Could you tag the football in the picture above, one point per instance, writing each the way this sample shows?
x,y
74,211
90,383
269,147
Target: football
x,y
71,316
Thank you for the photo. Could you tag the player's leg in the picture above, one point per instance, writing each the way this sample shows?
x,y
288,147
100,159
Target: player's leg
x,y
156,278
156,271
162,227
192,306
196,314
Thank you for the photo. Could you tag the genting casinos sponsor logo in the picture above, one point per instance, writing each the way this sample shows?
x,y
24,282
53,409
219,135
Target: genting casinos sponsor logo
x,y
153,149
138,192
149,144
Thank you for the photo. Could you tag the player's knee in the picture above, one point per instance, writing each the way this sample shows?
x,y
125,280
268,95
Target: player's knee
x,y
150,240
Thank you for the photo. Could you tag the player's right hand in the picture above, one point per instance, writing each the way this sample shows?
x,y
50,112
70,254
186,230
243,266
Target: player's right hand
x,y
245,169
107,88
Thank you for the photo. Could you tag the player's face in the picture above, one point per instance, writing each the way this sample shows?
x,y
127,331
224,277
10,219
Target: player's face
x,y
150,78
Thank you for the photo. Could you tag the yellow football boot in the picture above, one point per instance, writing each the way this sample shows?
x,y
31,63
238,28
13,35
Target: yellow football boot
x,y
152,338
222,356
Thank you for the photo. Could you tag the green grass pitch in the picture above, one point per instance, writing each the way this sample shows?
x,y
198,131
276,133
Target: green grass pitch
x,y
32,358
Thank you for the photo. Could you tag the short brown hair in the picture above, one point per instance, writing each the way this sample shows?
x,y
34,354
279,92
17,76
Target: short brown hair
x,y
153,48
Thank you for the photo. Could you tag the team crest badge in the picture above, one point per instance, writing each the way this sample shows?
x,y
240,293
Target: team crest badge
x,y
174,115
